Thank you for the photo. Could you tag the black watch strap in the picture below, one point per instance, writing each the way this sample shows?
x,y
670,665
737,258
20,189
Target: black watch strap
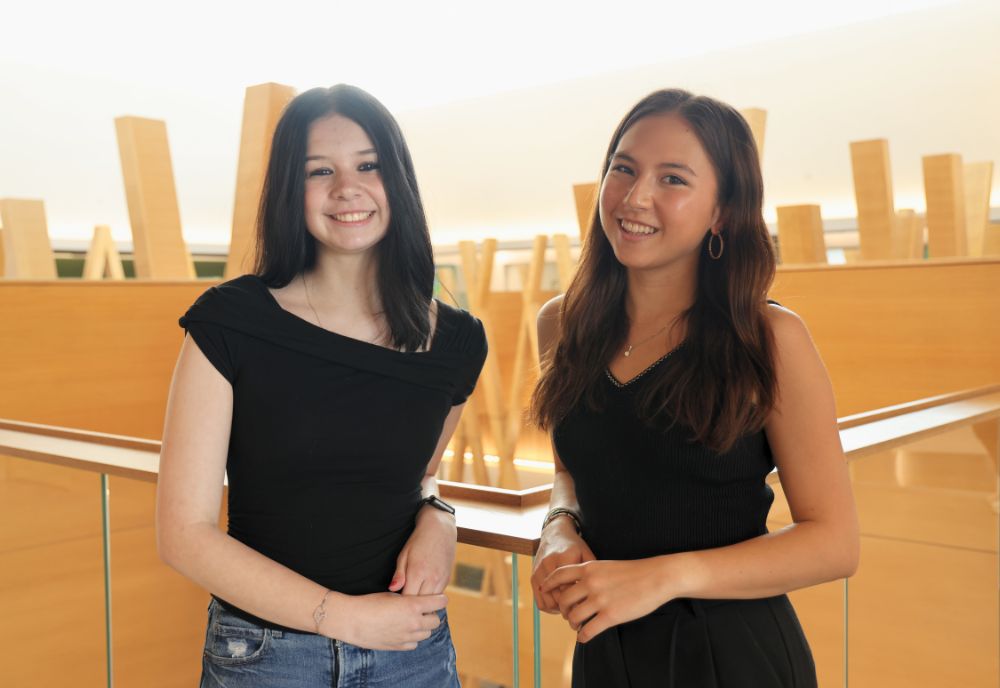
x,y
438,503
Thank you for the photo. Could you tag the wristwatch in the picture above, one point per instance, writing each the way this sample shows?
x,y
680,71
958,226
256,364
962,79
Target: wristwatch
x,y
437,503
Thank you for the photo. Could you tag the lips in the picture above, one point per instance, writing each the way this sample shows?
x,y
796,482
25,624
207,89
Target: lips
x,y
357,216
637,228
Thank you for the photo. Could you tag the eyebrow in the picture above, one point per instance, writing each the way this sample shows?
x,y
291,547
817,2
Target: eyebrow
x,y
662,165
367,151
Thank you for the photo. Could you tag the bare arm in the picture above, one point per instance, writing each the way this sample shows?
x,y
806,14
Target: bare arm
x,y
425,562
560,544
189,494
821,544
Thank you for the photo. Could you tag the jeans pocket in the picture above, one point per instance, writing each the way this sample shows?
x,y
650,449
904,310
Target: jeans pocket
x,y
235,645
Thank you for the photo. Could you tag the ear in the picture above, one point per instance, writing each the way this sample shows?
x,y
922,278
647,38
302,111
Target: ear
x,y
717,221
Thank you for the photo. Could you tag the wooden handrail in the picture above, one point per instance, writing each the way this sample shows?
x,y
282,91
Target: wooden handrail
x,y
493,517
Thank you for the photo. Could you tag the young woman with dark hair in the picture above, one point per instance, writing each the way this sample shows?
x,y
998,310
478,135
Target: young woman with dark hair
x,y
326,386
672,387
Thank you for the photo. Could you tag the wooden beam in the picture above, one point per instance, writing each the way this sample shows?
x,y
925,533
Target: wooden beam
x,y
800,234
27,250
908,239
564,261
944,189
2,266
978,179
757,119
103,257
159,249
262,108
585,197
873,195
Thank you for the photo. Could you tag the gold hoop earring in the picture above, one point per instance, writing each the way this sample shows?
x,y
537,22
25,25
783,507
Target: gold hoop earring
x,y
722,246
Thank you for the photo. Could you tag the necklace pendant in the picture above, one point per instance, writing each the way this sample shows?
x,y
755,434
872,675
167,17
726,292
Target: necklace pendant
x,y
628,352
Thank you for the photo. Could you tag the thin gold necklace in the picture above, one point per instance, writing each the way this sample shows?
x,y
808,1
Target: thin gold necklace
x,y
628,351
305,284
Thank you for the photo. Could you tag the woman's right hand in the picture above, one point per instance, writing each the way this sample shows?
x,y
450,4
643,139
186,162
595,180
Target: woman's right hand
x,y
383,620
560,545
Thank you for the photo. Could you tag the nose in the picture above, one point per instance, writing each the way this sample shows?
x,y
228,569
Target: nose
x,y
345,186
640,195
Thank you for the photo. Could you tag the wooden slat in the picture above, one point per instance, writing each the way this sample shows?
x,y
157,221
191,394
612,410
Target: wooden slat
x,y
27,251
585,198
262,108
565,266
978,179
873,195
103,257
757,119
160,251
800,234
944,189
908,239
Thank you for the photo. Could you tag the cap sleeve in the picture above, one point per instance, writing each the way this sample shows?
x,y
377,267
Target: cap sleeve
x,y
218,343
475,347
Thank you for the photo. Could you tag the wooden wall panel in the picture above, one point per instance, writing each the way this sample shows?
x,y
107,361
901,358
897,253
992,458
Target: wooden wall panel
x,y
873,195
944,188
262,107
893,333
160,252
800,234
27,250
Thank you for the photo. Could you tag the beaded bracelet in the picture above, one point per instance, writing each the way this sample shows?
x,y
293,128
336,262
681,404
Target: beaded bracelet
x,y
563,511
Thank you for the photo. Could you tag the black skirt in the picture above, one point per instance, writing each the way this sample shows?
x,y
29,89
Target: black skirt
x,y
701,644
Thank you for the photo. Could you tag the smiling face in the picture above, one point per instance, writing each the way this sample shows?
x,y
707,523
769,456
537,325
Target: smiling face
x,y
658,198
345,203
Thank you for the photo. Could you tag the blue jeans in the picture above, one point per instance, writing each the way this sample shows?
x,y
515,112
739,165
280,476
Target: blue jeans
x,y
240,654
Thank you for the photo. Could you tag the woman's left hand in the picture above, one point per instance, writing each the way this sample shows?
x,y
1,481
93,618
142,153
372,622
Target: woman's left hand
x,y
597,595
423,566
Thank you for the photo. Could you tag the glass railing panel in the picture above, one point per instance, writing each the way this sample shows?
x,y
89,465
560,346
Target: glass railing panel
x,y
158,615
820,609
924,607
51,577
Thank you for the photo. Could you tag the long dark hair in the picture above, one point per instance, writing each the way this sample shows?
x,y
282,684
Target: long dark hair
x,y
404,258
721,382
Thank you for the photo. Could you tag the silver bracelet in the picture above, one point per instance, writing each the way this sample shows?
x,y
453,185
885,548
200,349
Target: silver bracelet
x,y
563,511
319,613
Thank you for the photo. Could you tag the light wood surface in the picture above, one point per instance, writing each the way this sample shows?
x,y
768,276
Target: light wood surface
x,y
3,266
159,248
757,119
585,199
262,108
800,234
102,259
27,251
944,189
873,195
978,180
908,240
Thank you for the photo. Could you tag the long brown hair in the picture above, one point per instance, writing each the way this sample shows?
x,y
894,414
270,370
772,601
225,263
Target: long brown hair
x,y
721,382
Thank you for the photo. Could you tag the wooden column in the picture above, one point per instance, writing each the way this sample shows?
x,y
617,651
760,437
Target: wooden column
x,y
103,257
908,241
978,178
564,261
757,119
262,108
944,189
585,196
800,234
160,252
873,195
27,250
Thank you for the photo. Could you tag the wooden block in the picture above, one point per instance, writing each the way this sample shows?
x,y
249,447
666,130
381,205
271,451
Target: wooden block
x,y
564,261
908,238
160,252
991,240
262,108
873,195
800,234
103,257
978,178
27,250
944,189
585,196
757,119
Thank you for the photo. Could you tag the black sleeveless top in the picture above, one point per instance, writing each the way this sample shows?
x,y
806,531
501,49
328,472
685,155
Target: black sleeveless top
x,y
645,491
330,435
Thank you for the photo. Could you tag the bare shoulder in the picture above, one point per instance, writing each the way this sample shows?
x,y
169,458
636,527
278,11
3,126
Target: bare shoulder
x,y
791,336
548,323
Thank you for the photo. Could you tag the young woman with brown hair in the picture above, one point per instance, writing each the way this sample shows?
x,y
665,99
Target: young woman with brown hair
x,y
672,388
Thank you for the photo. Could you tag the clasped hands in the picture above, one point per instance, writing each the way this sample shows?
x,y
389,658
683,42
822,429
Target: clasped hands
x,y
593,595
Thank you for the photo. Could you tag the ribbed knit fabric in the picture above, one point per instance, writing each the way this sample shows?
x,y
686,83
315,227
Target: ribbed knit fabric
x,y
645,491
